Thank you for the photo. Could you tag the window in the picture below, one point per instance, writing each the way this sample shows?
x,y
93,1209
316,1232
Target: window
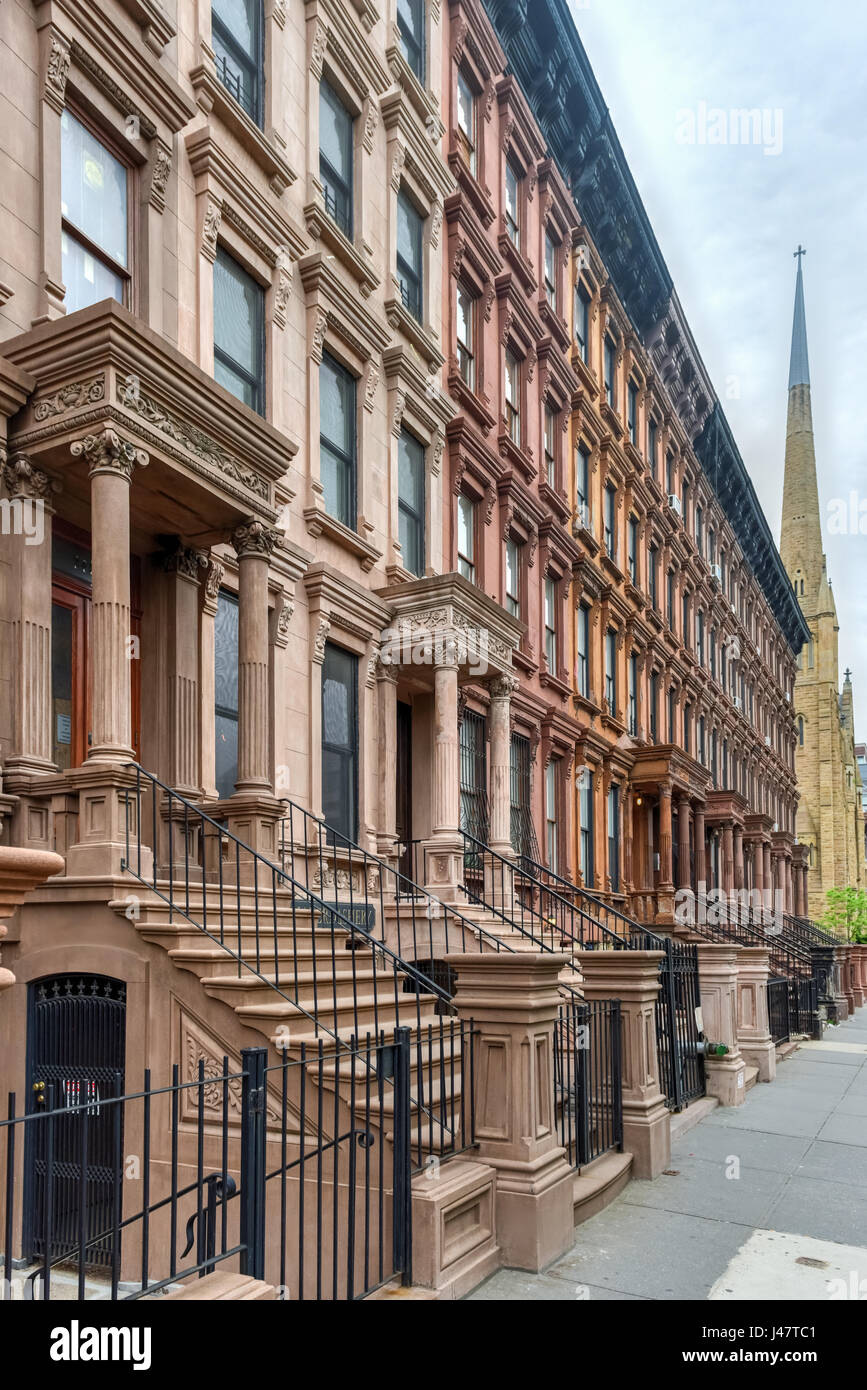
x,y
632,413
614,837
610,515
236,38
239,332
653,695
701,747
711,547
652,566
467,122
410,24
550,446
801,730
611,670
513,213
669,477
410,501
94,229
521,823
582,322
582,664
551,625
608,366
226,693
652,431
687,724
337,444
513,394
340,741
582,484
551,845
669,599
409,255
551,270
713,757
699,637
466,336
585,812
698,530
467,538
473,777
684,620
335,157
513,577
632,549
672,713
712,646
633,695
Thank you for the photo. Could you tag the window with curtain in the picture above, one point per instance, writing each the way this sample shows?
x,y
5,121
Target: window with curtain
x,y
582,321
610,500
550,446
611,670
609,358
467,135
239,332
551,270
633,695
411,501
94,235
337,440
512,388
582,484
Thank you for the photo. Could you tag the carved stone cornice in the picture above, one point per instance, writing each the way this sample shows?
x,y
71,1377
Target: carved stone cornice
x,y
184,560
108,452
213,580
253,537
23,480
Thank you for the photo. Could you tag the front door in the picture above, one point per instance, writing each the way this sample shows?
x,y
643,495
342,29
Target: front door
x,y
403,797
76,1047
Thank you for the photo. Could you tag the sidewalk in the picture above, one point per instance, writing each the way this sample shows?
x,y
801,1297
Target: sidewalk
x,y
766,1201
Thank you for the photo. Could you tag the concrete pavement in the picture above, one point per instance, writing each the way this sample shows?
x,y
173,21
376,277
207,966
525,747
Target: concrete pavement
x,y
766,1201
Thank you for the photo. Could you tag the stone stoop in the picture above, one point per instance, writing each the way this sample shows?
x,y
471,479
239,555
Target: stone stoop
x,y
598,1183
223,1285
785,1050
751,1076
693,1115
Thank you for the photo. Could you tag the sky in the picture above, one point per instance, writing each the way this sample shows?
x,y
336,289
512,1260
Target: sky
x,y
728,217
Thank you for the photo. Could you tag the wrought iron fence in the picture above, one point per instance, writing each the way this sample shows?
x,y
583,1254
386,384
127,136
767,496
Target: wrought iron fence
x,y
296,1172
778,1009
588,1067
678,1039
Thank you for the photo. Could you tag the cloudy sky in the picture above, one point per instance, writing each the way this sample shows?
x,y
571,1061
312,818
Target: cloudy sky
x,y
728,218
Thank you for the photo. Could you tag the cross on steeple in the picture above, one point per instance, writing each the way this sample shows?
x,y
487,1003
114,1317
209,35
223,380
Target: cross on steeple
x,y
847,674
801,251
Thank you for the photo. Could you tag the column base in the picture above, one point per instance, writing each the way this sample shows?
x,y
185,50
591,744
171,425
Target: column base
x,y
108,822
254,818
443,871
535,1209
725,1078
760,1053
647,1136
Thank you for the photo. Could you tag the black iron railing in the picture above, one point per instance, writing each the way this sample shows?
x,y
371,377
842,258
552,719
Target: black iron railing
x,y
778,1009
631,934
588,1067
803,930
278,1171
678,1037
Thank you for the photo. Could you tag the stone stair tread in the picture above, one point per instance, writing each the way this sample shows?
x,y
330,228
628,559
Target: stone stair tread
x,y
285,1008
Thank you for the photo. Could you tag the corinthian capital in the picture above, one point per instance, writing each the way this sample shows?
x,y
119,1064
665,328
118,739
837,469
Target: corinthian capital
x,y
504,687
23,480
254,538
109,453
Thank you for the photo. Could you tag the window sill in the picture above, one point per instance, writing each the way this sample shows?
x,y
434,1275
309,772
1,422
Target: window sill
x,y
612,568
522,459
421,98
478,197
584,372
467,399
556,500
212,96
587,538
526,660
555,683
420,335
585,703
320,225
319,523
555,324
518,263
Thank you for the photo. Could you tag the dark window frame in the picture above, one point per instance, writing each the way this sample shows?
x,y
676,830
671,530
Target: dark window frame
x,y
254,62
256,381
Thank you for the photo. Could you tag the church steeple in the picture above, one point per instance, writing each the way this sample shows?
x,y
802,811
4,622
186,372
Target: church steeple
x,y
801,530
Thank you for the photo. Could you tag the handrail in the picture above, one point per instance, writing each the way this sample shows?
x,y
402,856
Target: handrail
x,y
811,930
601,909
335,851
789,962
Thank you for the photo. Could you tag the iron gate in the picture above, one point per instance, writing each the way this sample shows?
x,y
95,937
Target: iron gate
x,y
474,776
76,1042
523,834
681,1066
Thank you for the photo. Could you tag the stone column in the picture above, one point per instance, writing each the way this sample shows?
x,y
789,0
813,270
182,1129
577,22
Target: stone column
x,y
754,1032
207,672
767,875
739,858
666,880
502,690
253,809
718,980
683,841
698,837
633,978
106,812
513,1002
386,702
728,882
444,850
182,566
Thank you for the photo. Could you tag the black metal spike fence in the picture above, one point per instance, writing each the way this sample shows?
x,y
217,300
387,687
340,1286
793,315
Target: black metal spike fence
x,y
588,1078
296,1172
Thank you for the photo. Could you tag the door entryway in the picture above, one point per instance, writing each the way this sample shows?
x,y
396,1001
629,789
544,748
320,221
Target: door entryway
x,y
403,790
76,1048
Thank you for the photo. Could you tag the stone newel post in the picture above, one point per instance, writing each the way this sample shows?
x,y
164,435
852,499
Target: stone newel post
x,y
513,1002
633,978
21,870
718,983
754,1032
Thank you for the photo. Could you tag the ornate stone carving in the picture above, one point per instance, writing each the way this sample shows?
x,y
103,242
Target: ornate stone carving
x,y
284,619
322,631
504,687
508,130
436,223
190,437
397,412
162,166
317,51
506,327
214,578
370,384
210,229
489,300
56,72
24,481
372,664
532,359
398,160
460,31
318,343
253,537
371,121
75,393
184,560
437,448
107,452
282,290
